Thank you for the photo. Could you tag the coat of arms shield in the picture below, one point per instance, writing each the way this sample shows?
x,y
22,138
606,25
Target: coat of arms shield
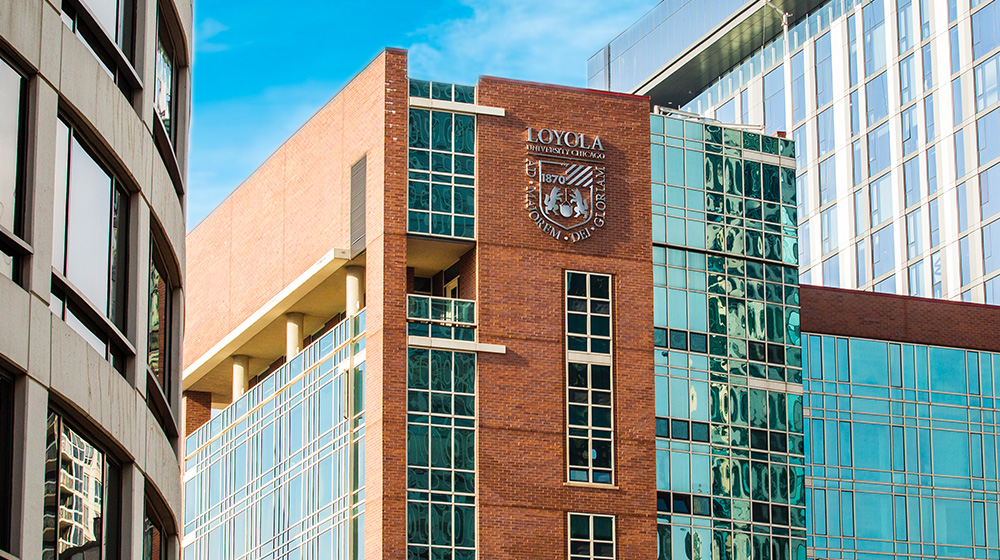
x,y
566,192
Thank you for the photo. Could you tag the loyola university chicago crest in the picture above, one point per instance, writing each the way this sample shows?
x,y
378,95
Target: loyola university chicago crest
x,y
565,195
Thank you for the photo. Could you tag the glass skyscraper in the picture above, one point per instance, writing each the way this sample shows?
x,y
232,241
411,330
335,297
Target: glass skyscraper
x,y
892,107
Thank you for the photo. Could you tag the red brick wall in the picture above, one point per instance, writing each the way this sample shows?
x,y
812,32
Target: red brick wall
x,y
468,284
523,498
197,410
899,318
284,217
385,284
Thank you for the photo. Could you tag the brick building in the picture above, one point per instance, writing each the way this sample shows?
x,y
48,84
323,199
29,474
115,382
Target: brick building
x,y
565,362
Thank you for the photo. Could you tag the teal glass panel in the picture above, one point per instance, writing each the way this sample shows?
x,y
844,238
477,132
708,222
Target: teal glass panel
x,y
465,134
771,182
419,128
734,176
419,159
417,523
465,94
695,174
441,91
657,159
714,175
420,88
674,165
418,196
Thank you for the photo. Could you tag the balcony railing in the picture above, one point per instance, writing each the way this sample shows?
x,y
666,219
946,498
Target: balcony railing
x,y
439,317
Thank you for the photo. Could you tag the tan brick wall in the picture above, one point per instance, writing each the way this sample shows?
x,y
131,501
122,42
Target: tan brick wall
x,y
523,500
899,318
286,216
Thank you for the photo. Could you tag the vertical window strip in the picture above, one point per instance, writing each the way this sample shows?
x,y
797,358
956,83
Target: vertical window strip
x,y
440,454
589,390
441,189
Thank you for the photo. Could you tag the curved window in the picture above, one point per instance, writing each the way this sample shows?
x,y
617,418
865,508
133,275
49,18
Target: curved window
x,y
108,28
160,319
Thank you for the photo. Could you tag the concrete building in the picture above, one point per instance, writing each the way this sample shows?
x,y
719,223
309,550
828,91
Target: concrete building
x,y
94,113
891,105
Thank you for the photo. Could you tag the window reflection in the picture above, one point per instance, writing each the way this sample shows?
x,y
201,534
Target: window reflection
x,y
154,540
81,497
164,88
158,337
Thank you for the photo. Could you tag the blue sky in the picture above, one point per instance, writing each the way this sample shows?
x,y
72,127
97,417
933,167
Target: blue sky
x,y
262,68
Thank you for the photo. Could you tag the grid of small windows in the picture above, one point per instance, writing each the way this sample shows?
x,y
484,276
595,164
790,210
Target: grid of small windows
x,y
440,454
723,190
280,472
729,308
588,312
591,537
590,418
902,449
441,190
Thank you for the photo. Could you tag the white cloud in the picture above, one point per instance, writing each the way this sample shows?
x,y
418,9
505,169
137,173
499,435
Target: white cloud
x,y
208,30
540,41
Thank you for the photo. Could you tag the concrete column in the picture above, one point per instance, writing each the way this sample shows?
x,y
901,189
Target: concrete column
x,y
355,289
31,403
133,510
293,335
241,375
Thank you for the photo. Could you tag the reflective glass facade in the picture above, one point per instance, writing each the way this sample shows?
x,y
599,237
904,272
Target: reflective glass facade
x,y
901,449
280,472
663,33
440,431
729,435
891,104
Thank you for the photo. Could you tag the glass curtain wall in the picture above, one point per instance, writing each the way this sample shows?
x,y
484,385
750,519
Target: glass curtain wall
x,y
729,434
915,93
901,449
280,472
